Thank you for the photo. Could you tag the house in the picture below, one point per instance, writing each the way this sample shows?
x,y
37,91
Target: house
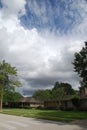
x,y
24,102
31,102
64,104
83,92
67,104
83,98
55,104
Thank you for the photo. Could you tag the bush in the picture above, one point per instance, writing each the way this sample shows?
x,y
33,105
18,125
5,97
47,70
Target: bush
x,y
40,107
76,101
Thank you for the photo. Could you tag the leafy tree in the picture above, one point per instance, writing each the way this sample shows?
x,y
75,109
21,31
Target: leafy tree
x,y
80,65
11,96
42,95
61,91
8,80
58,94
66,86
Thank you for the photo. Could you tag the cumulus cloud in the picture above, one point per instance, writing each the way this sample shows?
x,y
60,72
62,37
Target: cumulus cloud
x,y
14,7
42,58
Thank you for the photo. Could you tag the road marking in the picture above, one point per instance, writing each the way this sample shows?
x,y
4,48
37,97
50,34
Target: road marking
x,y
7,126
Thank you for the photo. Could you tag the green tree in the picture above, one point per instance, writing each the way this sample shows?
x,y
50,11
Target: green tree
x,y
58,94
80,65
42,95
11,96
66,86
8,79
61,91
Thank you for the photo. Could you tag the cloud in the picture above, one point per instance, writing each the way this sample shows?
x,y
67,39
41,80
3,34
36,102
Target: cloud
x,y
41,57
55,15
14,7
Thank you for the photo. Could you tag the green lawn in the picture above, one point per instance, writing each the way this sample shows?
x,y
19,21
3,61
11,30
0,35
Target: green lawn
x,y
57,115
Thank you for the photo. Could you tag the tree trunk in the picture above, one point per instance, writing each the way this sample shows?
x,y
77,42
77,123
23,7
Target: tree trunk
x,y
0,104
1,100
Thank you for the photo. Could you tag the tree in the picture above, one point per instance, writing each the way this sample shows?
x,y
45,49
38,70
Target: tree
x,y
11,96
61,91
8,79
66,86
42,95
80,65
58,95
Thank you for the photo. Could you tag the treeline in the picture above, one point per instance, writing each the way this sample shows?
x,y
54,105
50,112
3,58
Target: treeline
x,y
60,91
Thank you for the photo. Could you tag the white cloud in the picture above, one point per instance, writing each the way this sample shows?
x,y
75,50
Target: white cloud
x,y
40,58
12,7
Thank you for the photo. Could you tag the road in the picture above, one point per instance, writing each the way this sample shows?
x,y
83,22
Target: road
x,y
8,122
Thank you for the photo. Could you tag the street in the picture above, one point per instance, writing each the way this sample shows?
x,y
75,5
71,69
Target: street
x,y
9,122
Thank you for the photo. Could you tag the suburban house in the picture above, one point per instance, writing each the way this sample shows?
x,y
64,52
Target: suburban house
x,y
25,102
55,104
32,102
67,104
83,98
64,104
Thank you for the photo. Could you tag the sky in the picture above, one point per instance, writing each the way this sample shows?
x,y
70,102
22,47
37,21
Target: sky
x,y
40,38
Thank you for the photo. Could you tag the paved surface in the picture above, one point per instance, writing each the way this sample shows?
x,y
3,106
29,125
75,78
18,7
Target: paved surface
x,y
8,122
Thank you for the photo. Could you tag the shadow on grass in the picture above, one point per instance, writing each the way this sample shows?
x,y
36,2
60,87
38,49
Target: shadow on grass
x,y
66,118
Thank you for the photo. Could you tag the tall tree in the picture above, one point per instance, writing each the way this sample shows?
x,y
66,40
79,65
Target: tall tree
x,y
66,86
8,79
42,95
80,65
61,91
58,94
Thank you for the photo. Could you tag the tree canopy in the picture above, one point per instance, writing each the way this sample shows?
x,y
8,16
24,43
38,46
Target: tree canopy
x,y
58,92
12,97
80,65
64,86
8,79
42,95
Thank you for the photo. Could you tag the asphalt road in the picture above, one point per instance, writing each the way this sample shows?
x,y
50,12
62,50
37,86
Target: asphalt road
x,y
8,122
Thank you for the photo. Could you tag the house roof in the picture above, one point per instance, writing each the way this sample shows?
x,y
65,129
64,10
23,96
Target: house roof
x,y
30,100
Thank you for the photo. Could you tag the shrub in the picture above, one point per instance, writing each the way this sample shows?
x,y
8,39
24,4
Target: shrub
x,y
76,101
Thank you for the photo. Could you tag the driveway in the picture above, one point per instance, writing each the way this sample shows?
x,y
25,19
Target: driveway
x,y
8,122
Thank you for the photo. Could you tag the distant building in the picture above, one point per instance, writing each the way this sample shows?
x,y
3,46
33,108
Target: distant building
x,y
25,102
66,104
83,92
55,104
32,102
83,98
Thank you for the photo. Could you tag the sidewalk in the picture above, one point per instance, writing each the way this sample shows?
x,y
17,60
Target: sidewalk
x,y
80,122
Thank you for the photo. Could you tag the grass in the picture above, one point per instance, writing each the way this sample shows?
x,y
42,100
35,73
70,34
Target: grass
x,y
56,115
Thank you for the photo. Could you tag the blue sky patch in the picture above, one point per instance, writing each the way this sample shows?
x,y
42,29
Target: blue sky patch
x,y
51,14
